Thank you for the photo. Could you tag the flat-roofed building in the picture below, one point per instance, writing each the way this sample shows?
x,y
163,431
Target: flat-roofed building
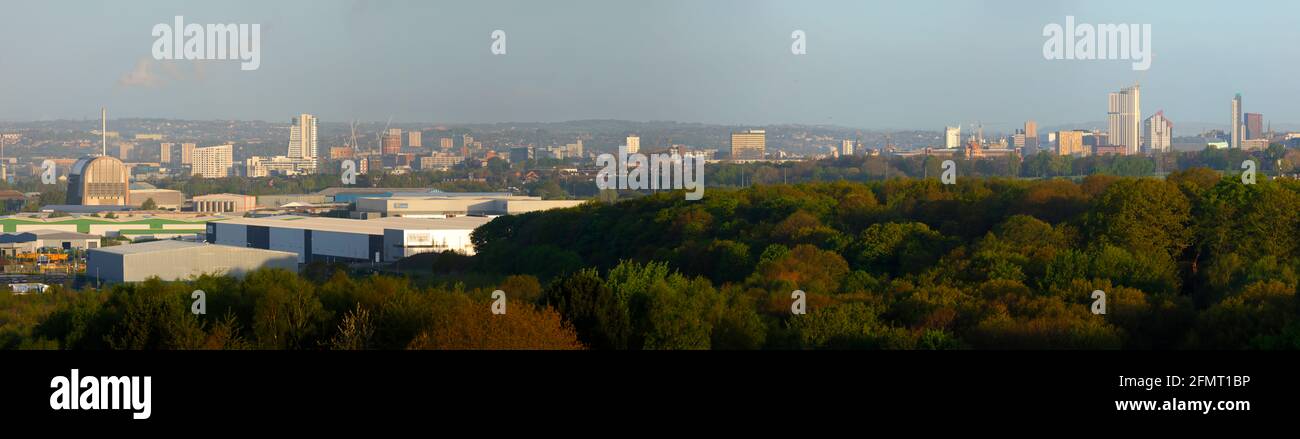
x,y
223,203
1070,143
179,260
258,166
444,206
11,244
749,145
212,161
440,161
349,240
163,198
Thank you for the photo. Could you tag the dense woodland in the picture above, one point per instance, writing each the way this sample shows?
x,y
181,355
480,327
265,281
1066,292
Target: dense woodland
x,y
1194,261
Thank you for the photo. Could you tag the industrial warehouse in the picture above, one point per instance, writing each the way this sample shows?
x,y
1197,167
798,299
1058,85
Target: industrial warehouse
x,y
443,205
348,240
179,260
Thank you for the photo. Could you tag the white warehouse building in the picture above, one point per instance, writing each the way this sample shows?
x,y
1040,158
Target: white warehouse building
x,y
348,240
178,260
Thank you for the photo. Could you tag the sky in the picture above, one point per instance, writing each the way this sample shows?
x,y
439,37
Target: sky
x,y
887,65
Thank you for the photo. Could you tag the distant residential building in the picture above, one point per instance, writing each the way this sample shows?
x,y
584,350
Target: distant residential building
x,y
1110,150
187,153
633,144
98,181
279,165
440,161
212,161
392,142
1070,143
846,147
1158,133
223,203
573,150
1254,126
1254,144
1017,140
164,152
749,145
124,150
446,143
521,154
975,151
1123,119
342,152
413,139
952,137
302,137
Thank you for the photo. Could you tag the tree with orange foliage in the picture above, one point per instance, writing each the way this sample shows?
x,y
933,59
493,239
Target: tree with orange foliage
x,y
464,323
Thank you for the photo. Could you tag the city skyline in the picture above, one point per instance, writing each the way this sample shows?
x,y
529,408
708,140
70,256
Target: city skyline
x,y
575,61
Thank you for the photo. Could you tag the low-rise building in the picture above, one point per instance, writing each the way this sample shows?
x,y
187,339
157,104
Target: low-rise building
x,y
163,198
153,226
450,205
12,244
223,203
28,287
179,260
347,240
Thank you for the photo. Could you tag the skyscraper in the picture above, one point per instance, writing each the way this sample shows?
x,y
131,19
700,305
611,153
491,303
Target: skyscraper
x,y
164,152
302,137
748,145
846,147
1235,142
633,144
1254,126
952,137
1124,119
1158,133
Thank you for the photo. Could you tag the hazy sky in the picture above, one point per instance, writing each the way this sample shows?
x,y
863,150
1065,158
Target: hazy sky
x,y
872,64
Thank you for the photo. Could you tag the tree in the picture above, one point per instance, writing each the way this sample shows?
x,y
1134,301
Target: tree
x,y
469,324
1144,216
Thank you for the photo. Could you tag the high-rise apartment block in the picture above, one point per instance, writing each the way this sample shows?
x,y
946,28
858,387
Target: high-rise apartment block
x,y
1124,120
302,137
1158,133
212,161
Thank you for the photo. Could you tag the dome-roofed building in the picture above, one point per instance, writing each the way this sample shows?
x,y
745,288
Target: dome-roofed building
x,y
99,181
